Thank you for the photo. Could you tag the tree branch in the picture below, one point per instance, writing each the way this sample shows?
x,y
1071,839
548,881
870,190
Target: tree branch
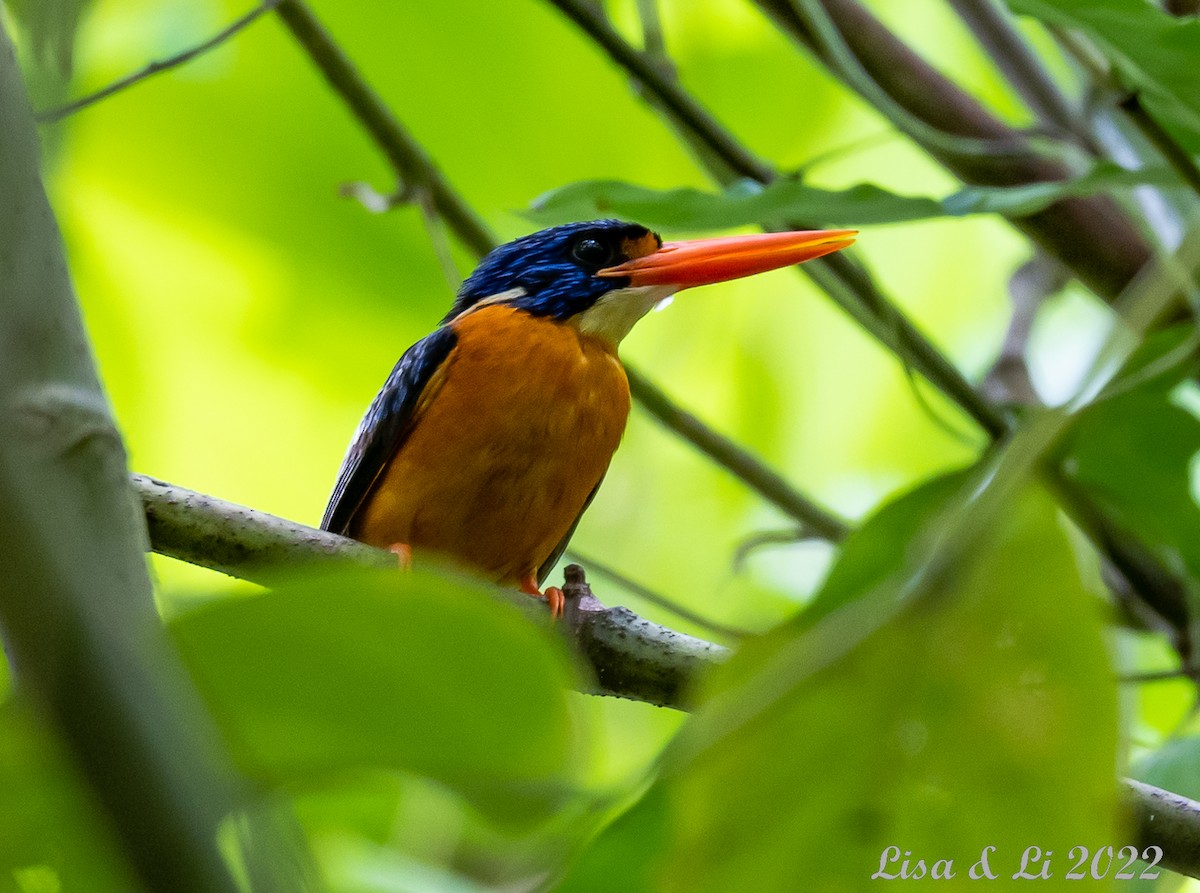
x,y
632,657
1175,155
1163,819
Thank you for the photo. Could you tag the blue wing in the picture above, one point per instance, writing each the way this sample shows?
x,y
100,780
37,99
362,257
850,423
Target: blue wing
x,y
385,427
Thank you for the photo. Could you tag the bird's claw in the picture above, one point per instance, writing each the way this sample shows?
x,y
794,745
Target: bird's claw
x,y
403,553
553,595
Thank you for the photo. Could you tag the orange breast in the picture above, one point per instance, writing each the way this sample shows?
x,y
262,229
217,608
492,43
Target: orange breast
x,y
515,431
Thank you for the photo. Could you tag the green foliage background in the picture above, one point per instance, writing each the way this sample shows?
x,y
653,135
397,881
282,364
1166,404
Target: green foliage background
x,y
243,313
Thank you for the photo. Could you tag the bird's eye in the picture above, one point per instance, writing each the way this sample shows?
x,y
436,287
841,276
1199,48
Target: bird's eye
x,y
590,252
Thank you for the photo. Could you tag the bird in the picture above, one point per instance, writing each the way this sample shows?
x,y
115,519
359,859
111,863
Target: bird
x,y
491,435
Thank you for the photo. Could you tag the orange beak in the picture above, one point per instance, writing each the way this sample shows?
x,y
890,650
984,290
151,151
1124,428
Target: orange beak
x,y
704,261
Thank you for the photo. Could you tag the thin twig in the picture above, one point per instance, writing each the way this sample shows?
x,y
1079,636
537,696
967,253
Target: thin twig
x,y
833,47
649,595
632,657
1009,381
730,456
418,172
762,538
57,114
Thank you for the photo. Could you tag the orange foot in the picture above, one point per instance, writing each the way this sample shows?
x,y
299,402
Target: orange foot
x,y
553,595
403,553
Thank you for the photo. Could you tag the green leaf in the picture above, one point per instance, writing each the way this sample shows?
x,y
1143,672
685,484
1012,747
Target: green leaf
x,y
51,26
1173,767
1133,455
741,205
880,545
636,842
983,715
1019,201
407,671
1155,52
748,203
1161,361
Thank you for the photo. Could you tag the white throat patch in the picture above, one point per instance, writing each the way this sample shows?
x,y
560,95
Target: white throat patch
x,y
615,313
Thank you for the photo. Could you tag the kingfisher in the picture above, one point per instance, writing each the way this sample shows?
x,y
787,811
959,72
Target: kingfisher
x,y
491,435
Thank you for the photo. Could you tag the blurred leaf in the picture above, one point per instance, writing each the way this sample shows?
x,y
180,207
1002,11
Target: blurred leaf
x,y
741,205
1174,767
1161,361
50,832
983,716
414,671
1155,52
1019,201
1133,454
748,203
636,842
880,545
51,26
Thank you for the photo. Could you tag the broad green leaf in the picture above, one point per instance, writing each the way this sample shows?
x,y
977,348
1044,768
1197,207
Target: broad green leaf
x,y
51,836
983,715
748,203
1155,52
405,671
1133,454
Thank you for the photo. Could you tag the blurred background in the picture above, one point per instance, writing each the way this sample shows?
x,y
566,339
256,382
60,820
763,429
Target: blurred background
x,y
244,312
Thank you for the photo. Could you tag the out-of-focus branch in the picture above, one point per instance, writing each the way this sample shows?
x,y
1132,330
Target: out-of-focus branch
x,y
737,460
76,603
1091,236
160,66
995,30
846,282
410,161
632,657
419,173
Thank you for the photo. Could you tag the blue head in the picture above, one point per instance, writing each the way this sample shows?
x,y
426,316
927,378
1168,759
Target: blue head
x,y
553,272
